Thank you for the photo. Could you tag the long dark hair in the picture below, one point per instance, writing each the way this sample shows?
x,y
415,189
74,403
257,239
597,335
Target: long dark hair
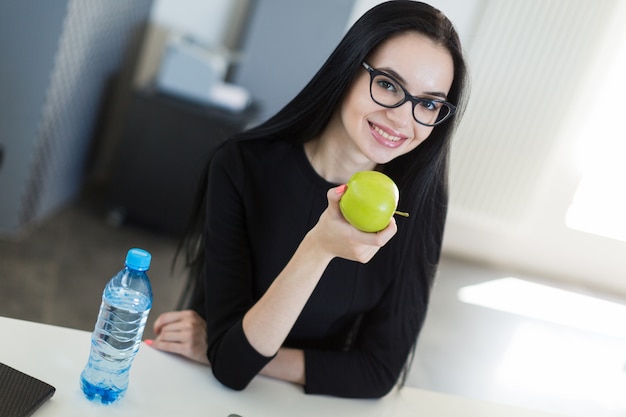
x,y
421,175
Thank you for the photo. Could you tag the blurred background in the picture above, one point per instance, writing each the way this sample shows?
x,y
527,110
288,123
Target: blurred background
x,y
109,110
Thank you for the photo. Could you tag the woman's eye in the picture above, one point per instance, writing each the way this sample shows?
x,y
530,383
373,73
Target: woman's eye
x,y
387,84
429,105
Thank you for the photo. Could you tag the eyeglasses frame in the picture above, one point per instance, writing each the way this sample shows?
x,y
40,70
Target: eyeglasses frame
x,y
407,97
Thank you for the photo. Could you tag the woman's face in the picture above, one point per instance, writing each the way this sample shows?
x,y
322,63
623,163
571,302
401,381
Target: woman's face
x,y
381,134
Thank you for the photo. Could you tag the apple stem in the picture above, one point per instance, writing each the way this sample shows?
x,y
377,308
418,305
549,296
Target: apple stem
x,y
401,213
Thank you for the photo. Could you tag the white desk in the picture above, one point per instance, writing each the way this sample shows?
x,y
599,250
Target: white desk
x,y
166,385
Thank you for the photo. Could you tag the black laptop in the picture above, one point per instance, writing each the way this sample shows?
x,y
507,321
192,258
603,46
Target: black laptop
x,y
20,394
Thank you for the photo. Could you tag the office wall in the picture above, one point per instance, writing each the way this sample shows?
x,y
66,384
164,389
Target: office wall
x,y
27,60
285,44
207,21
56,59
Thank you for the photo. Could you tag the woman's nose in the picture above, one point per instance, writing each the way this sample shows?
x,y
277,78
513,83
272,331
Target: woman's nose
x,y
401,115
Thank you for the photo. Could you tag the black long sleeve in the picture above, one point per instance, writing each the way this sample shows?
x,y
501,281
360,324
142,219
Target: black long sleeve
x,y
263,197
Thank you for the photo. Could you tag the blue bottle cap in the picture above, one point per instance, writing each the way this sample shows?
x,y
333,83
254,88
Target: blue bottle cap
x,y
138,259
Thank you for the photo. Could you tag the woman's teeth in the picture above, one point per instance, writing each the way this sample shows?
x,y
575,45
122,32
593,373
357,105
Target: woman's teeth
x,y
385,134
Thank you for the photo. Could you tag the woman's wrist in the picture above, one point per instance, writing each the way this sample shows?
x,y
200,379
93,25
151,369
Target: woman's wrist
x,y
312,245
287,365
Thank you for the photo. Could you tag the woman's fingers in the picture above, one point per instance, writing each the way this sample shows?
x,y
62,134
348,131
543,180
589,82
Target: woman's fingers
x,y
182,333
174,317
165,319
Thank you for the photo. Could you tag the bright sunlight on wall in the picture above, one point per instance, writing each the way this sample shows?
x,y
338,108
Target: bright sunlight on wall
x,y
600,201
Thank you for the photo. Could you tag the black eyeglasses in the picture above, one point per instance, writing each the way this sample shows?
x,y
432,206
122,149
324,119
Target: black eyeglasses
x,y
388,92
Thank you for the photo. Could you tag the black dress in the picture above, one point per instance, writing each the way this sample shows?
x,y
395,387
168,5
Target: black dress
x,y
264,196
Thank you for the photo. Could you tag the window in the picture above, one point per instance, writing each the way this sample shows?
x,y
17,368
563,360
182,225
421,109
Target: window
x,y
599,205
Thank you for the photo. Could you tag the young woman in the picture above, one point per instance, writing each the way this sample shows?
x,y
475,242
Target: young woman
x,y
291,289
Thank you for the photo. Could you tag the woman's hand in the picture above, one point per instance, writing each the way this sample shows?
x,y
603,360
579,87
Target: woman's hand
x,y
183,333
334,235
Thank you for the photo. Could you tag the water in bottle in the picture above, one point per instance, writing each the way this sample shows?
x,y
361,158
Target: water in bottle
x,y
126,302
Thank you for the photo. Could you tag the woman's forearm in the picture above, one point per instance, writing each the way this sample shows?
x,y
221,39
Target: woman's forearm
x,y
267,324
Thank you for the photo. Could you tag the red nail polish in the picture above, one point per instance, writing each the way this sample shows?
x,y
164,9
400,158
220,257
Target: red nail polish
x,y
341,189
149,342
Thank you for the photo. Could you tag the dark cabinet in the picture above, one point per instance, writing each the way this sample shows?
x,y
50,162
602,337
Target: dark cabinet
x,y
163,149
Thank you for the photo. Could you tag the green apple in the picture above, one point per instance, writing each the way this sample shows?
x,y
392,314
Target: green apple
x,y
370,201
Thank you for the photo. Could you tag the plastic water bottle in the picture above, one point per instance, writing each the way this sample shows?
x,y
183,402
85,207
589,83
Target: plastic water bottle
x,y
126,302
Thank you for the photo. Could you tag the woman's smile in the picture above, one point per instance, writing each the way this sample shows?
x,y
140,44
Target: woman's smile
x,y
386,136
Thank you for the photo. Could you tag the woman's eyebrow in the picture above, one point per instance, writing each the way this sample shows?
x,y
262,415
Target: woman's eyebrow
x,y
394,74
398,77
437,94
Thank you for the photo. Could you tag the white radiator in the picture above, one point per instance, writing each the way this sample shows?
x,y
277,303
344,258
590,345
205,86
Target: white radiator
x,y
528,60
